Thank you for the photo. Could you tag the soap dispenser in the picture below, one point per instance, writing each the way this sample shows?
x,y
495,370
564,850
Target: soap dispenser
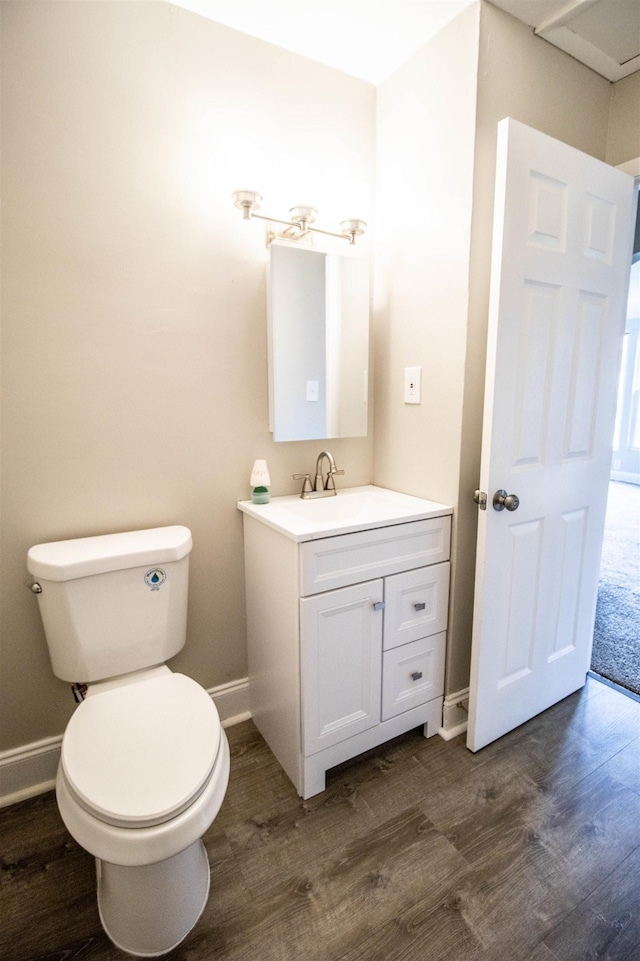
x,y
260,482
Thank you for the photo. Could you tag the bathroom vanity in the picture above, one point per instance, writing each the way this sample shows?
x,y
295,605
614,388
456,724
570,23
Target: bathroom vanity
x,y
347,601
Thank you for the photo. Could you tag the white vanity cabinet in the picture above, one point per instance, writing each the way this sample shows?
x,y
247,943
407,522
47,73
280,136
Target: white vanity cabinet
x,y
346,638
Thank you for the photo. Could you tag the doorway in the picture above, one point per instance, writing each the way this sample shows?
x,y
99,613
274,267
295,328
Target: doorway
x,y
616,640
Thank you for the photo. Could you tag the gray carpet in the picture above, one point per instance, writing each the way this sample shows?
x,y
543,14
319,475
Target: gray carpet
x,y
616,639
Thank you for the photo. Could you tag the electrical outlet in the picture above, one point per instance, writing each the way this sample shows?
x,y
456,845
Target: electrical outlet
x,y
412,385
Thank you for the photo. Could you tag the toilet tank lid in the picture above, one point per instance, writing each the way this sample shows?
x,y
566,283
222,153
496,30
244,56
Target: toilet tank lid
x,y
83,556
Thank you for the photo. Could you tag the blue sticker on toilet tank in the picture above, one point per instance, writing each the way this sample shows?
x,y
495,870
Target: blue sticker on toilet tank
x,y
155,578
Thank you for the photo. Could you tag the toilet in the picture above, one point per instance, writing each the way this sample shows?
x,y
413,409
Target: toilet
x,y
144,763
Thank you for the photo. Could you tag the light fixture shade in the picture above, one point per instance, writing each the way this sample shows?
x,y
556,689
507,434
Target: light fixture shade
x,y
356,227
246,198
260,474
302,212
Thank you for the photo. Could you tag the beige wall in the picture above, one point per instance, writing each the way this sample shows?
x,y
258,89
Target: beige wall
x,y
133,312
524,77
623,141
433,271
134,322
426,130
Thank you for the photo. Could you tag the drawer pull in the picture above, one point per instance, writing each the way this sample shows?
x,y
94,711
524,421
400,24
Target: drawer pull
x,y
420,606
378,606
416,675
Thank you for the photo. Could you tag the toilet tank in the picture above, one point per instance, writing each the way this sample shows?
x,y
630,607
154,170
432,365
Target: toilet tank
x,y
114,603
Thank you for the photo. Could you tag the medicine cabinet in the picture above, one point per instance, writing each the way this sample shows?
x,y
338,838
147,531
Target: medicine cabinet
x,y
318,315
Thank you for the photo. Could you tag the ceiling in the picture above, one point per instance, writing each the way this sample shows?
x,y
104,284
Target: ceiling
x,y
604,34
372,38
369,39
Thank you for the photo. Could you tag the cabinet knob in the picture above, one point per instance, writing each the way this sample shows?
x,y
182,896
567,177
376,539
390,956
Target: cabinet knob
x,y
420,605
416,675
378,606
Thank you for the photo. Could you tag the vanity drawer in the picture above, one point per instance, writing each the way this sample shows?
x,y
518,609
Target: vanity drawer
x,y
416,604
412,674
331,562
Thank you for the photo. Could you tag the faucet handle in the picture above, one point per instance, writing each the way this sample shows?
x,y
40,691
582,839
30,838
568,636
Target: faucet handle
x,y
306,487
330,484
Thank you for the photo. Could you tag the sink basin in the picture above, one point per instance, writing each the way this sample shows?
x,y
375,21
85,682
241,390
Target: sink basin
x,y
352,509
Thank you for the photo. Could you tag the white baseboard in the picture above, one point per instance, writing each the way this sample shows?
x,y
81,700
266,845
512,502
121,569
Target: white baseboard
x,y
232,701
625,477
454,714
31,769
28,770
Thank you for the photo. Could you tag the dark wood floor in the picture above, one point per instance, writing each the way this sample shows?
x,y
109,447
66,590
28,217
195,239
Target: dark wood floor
x,y
419,851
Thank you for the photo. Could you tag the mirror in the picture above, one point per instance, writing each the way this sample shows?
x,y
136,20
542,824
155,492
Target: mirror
x,y
318,310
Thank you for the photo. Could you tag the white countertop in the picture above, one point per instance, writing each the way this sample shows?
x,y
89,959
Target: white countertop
x,y
352,509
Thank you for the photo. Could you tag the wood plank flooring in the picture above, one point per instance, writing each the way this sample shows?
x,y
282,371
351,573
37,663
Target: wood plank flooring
x,y
528,850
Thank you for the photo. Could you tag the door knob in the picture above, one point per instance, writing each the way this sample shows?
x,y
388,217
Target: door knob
x,y
503,501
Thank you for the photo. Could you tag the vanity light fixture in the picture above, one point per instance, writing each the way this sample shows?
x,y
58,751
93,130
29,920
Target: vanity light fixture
x,y
301,219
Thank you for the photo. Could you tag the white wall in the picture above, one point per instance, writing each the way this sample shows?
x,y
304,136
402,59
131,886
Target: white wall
x,y
134,306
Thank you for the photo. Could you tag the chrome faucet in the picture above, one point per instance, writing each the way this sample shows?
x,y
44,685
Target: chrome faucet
x,y
329,484
321,487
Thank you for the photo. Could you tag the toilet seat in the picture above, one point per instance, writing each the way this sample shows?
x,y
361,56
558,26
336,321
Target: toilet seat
x,y
137,755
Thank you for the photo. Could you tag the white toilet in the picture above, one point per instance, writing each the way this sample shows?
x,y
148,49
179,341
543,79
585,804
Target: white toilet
x,y
145,762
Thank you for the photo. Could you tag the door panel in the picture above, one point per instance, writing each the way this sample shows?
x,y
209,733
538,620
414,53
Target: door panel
x,y
561,256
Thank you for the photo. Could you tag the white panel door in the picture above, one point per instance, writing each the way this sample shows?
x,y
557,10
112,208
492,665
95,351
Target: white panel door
x,y
560,269
341,654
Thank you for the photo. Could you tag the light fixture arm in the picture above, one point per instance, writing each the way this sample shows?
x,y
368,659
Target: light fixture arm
x,y
302,218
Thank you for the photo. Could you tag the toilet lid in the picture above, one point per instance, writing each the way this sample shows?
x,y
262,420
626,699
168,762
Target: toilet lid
x,y
137,755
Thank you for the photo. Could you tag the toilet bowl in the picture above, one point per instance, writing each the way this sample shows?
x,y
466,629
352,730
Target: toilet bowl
x,y
144,764
143,772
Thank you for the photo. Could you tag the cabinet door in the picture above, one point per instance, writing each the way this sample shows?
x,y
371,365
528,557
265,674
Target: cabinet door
x,y
341,643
